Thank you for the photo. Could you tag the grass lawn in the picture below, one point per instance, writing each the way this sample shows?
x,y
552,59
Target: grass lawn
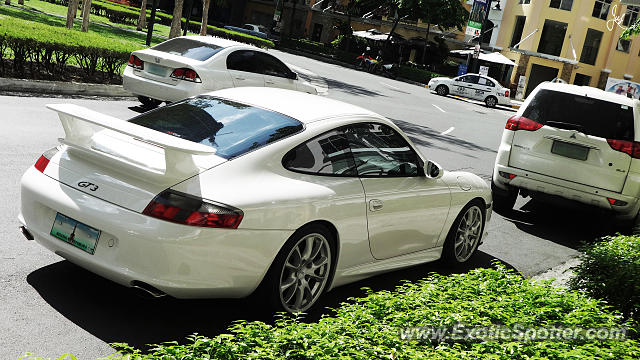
x,y
44,6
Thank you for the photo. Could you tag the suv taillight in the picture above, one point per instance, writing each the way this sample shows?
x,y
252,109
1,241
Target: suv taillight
x,y
522,123
135,62
186,209
186,74
631,148
43,160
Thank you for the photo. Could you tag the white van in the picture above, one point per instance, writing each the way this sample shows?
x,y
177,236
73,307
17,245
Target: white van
x,y
576,142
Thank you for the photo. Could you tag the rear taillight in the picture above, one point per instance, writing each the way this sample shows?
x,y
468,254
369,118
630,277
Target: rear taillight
x,y
135,62
190,210
186,74
522,123
506,175
43,160
615,202
631,148
506,93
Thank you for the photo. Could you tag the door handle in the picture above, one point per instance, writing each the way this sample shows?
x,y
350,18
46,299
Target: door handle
x,y
375,205
269,82
239,78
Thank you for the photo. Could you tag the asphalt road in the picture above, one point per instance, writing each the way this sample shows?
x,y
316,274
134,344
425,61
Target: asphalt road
x,y
51,307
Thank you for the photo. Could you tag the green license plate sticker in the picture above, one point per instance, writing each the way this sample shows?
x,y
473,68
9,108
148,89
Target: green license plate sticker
x,y
570,150
73,232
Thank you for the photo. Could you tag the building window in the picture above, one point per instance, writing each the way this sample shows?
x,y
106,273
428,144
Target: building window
x,y
623,45
601,9
591,46
524,1
517,30
561,4
552,37
582,79
631,15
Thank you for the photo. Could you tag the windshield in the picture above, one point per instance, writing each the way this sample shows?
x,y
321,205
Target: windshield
x,y
231,128
188,48
590,116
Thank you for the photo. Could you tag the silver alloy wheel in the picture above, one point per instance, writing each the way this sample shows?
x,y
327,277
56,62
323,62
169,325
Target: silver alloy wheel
x,y
441,90
491,101
468,234
305,272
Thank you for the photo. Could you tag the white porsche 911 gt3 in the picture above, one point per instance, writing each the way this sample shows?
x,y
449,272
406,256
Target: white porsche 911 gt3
x,y
217,194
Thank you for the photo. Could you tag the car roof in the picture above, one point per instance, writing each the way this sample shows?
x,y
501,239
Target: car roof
x,y
214,40
588,91
304,107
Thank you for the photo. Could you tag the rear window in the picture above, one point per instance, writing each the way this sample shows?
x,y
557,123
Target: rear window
x,y
590,116
231,128
188,48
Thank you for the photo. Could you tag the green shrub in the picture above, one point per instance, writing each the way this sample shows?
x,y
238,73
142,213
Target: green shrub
x,y
610,270
416,74
368,327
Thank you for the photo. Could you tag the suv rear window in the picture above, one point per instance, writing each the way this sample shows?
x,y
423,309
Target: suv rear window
x,y
188,48
588,115
231,128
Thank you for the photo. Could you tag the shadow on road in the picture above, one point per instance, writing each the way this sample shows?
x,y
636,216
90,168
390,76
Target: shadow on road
x,y
349,88
426,136
114,313
564,222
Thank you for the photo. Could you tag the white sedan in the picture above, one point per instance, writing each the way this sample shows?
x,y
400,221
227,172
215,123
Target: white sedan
x,y
245,189
473,86
192,65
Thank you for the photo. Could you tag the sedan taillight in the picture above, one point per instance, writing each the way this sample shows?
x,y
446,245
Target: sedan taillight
x,y
135,62
506,93
186,74
522,123
186,209
43,160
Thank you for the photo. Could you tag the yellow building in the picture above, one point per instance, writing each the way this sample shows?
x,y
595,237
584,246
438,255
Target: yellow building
x,y
575,40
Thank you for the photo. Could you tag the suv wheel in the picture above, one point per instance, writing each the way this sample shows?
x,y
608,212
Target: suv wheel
x,y
503,200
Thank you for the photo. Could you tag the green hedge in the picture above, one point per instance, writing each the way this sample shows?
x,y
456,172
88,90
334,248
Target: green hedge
x,y
416,74
48,49
610,269
369,327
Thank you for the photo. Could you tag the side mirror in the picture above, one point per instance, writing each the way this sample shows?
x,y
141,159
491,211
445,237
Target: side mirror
x,y
432,170
293,76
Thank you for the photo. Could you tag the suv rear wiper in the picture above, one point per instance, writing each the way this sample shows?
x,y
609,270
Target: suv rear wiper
x,y
565,125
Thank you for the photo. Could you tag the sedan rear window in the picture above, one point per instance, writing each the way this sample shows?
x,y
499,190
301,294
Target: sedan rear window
x,y
588,115
188,48
231,128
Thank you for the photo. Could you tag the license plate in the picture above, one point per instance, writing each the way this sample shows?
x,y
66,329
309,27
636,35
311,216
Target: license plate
x,y
73,232
570,150
155,69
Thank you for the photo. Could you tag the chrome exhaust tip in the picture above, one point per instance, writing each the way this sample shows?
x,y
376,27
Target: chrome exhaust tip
x,y
147,290
26,233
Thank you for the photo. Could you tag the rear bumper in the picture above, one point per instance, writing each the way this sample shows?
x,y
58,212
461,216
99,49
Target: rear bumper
x,y
138,85
182,261
538,183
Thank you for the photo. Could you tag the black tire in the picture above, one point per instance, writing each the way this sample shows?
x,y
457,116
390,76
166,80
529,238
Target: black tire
x,y
279,273
454,255
149,102
491,101
503,200
442,90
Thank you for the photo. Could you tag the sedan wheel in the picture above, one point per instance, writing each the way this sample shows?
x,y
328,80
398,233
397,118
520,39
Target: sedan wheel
x,y
491,101
465,234
149,102
442,90
303,271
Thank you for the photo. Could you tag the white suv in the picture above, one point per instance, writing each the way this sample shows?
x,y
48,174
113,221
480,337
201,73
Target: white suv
x,y
575,142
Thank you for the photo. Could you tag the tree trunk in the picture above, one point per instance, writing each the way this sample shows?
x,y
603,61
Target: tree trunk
x,y
142,19
205,17
86,13
71,12
176,21
395,24
293,16
426,41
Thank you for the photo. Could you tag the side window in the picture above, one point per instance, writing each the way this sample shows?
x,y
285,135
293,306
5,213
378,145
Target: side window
x,y
471,79
486,82
327,154
272,66
379,151
243,60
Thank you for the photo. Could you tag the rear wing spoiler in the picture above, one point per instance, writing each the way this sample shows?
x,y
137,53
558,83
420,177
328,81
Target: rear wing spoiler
x,y
179,162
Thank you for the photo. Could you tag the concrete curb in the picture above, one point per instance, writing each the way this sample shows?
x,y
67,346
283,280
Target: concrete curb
x,y
62,88
560,274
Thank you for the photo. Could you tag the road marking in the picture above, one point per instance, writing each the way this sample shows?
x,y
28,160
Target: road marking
x,y
448,131
391,86
438,107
